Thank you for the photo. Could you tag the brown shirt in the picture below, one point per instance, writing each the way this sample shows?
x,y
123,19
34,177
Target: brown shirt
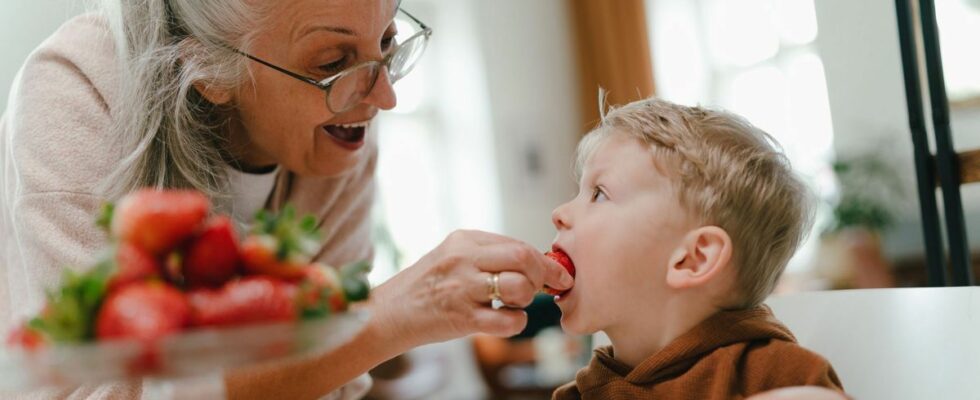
x,y
731,355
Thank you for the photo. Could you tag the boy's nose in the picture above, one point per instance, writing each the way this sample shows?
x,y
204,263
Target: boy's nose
x,y
559,217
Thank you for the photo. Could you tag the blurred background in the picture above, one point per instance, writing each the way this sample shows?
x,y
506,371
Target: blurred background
x,y
486,126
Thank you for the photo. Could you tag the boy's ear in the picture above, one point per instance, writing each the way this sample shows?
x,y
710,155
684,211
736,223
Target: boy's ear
x,y
703,254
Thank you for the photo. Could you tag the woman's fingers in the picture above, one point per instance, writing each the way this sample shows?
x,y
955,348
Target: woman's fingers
x,y
515,289
503,322
556,276
516,257
497,253
479,237
447,293
522,258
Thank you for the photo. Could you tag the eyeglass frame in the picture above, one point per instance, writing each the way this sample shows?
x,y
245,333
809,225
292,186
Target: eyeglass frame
x,y
326,84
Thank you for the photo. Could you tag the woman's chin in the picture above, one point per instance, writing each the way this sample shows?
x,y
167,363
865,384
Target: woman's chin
x,y
330,166
334,170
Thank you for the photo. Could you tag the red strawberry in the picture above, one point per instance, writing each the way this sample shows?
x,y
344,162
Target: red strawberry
x,y
260,256
279,245
562,258
324,290
144,311
132,265
26,338
212,258
157,221
249,300
321,291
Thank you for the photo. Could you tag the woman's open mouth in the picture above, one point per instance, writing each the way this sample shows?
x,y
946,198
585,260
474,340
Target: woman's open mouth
x,y
348,136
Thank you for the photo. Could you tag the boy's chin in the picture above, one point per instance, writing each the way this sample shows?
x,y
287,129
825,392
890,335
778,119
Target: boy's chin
x,y
573,326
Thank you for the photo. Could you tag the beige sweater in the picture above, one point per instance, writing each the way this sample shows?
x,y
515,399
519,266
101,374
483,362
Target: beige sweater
x,y
55,146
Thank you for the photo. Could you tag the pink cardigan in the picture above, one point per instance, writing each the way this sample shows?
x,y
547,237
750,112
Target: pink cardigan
x,y
55,146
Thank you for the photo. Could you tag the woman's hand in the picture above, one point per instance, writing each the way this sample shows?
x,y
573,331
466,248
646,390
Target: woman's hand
x,y
447,293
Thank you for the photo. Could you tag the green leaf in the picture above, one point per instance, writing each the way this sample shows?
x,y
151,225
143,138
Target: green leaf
x,y
308,224
104,219
70,313
353,278
295,239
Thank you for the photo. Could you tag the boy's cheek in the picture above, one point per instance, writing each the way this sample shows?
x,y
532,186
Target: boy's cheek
x,y
574,325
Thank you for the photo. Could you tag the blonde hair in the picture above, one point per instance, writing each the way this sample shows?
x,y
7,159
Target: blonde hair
x,y
728,173
171,136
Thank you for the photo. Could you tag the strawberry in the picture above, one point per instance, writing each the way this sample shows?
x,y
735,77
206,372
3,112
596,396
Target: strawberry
x,y
321,291
132,265
562,258
146,311
70,312
279,245
212,258
249,300
324,290
25,337
157,221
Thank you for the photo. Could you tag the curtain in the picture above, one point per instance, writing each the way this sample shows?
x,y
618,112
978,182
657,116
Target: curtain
x,y
613,53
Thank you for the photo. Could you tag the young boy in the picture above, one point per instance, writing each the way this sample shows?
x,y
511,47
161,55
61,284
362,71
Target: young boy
x,y
684,220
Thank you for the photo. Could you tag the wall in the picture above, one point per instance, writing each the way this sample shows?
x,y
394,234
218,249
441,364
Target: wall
x,y
24,24
858,41
529,64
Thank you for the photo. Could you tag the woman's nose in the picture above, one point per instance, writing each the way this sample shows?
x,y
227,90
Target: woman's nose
x,y
559,217
383,93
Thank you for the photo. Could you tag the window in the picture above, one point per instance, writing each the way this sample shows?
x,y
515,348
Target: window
x,y
436,170
959,28
756,58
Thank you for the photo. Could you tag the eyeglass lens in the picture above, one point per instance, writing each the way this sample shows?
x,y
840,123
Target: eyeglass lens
x,y
349,89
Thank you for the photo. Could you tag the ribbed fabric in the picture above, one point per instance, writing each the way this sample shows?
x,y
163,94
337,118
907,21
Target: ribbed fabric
x,y
731,355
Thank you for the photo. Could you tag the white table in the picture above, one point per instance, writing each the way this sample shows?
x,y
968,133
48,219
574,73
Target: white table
x,y
913,343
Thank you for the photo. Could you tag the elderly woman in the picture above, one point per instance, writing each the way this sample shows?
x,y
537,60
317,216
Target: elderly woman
x,y
257,104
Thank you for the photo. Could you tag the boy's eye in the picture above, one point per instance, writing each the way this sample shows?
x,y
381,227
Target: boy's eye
x,y
598,195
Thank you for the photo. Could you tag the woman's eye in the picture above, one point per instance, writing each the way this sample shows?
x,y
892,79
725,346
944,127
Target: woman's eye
x,y
387,43
598,196
333,67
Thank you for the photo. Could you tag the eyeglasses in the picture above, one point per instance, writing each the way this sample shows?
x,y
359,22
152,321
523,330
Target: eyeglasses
x,y
347,88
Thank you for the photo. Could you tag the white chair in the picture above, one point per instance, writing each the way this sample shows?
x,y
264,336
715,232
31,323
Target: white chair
x,y
914,343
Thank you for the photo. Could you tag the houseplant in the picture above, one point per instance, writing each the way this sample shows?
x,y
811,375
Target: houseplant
x,y
864,206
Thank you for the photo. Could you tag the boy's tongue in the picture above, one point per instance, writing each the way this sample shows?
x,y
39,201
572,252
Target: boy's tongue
x,y
563,259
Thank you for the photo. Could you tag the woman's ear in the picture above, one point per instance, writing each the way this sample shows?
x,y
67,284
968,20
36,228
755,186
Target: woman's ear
x,y
703,254
190,52
213,94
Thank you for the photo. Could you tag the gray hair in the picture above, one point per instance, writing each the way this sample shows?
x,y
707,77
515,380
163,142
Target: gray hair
x,y
171,136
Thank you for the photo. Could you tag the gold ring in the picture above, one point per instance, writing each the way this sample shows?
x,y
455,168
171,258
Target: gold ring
x,y
493,286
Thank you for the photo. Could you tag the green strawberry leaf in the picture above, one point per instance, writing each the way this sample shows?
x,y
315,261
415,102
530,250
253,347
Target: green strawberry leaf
x,y
353,278
104,219
295,239
70,313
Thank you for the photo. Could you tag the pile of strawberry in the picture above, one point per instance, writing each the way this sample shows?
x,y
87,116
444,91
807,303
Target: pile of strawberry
x,y
173,267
